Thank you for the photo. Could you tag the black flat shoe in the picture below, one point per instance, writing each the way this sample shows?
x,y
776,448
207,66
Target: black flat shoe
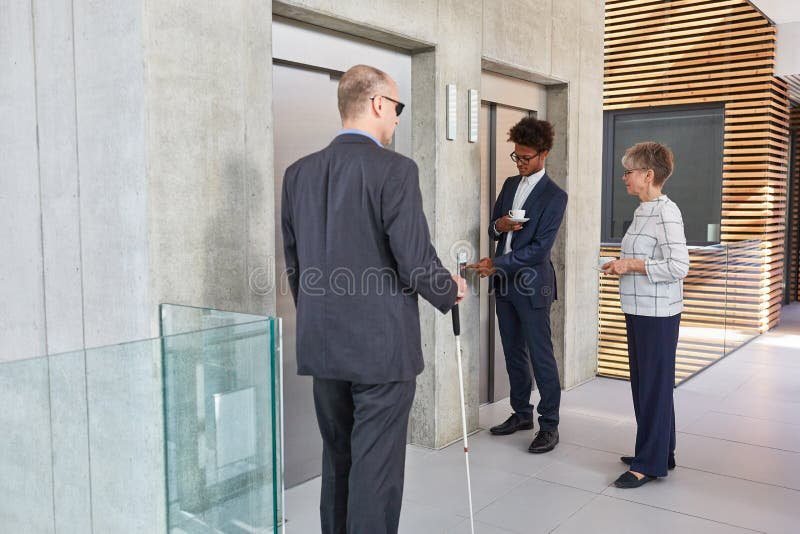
x,y
628,460
628,480
511,425
545,441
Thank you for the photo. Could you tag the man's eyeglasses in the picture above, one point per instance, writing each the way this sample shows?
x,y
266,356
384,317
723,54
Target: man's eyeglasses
x,y
398,106
526,159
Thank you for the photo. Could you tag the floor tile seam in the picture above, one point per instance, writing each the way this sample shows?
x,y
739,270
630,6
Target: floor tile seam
x,y
724,393
570,486
593,448
679,512
684,422
736,441
525,479
733,477
620,419
688,468
581,411
597,496
421,502
498,527
528,479
494,525
744,479
757,418
539,472
789,365
771,397
477,510
566,485
717,395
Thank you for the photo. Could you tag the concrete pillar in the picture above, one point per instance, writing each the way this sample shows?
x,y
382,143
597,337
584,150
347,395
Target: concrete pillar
x,y
210,205
453,210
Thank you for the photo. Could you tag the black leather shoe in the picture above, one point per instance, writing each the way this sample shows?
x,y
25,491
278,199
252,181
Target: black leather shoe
x,y
545,441
628,460
511,425
628,480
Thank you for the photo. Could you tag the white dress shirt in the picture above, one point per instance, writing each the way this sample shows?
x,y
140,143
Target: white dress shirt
x,y
524,189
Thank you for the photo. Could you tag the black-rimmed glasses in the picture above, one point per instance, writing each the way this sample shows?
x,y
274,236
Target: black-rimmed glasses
x,y
398,106
526,159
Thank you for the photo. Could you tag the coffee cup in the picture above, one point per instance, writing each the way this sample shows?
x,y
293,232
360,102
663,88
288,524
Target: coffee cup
x,y
517,214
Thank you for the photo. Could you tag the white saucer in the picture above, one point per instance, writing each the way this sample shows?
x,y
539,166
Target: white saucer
x,y
522,220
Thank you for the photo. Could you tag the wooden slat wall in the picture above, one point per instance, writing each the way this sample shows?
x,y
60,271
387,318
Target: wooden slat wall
x,y
662,53
794,215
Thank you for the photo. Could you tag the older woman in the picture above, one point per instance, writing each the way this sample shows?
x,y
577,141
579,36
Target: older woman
x,y
653,263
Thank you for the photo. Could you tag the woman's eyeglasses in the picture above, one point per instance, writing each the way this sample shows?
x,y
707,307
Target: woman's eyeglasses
x,y
628,171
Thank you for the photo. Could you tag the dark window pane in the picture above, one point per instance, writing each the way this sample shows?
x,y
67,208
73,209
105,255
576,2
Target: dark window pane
x,y
696,138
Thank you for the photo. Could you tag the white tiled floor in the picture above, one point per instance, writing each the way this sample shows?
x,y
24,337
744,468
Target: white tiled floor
x,y
738,460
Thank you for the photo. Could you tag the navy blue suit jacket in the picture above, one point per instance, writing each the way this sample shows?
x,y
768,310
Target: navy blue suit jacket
x,y
527,271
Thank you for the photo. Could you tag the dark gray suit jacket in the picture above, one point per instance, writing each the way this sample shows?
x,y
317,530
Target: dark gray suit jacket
x,y
358,252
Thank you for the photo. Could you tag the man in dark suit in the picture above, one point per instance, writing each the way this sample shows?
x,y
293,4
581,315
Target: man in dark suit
x,y
523,281
358,253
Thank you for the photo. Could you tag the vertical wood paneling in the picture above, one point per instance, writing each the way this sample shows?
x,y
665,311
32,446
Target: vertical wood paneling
x,y
662,53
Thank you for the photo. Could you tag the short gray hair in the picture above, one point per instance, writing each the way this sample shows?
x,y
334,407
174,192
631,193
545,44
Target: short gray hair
x,y
357,86
651,155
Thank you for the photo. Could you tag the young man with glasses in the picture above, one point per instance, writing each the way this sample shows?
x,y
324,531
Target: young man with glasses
x,y
355,208
524,282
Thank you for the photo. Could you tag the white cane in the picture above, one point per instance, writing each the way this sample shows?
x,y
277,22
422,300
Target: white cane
x,y
462,263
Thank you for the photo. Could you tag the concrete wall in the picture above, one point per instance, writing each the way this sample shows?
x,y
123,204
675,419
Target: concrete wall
x,y
151,178
135,159
73,170
209,165
135,168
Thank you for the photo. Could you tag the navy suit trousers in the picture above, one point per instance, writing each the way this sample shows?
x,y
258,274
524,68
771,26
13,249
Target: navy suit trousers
x,y
525,332
652,342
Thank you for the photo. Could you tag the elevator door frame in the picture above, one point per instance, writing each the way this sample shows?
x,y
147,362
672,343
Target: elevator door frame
x,y
337,52
491,199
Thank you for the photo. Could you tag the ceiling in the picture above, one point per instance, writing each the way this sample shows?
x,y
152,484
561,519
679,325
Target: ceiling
x,y
780,11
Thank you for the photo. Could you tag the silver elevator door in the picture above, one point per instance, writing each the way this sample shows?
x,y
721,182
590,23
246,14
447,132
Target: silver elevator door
x,y
308,64
306,119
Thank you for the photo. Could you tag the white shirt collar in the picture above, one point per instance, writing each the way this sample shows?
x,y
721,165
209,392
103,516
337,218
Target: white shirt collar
x,y
535,177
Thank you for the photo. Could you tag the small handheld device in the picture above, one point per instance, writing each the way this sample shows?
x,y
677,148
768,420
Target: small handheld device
x,y
462,272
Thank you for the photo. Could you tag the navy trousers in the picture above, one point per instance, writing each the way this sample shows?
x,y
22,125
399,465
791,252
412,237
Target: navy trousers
x,y
363,428
652,342
525,332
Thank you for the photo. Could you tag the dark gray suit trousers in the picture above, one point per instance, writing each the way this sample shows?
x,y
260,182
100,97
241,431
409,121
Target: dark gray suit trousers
x,y
363,428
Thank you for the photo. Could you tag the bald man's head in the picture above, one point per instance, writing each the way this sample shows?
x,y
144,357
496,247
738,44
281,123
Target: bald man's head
x,y
357,86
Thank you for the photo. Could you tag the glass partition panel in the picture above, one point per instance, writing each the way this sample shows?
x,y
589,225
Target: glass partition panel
x,y
26,449
173,434
725,296
748,293
82,447
702,334
222,429
178,319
